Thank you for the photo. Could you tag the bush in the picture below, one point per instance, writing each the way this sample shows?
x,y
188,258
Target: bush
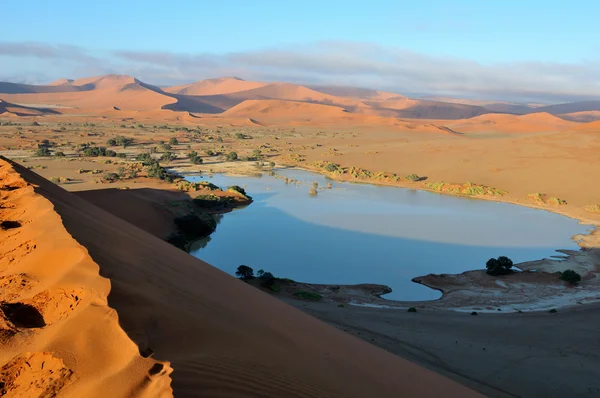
x,y
238,189
111,177
500,266
570,276
98,151
156,171
168,157
145,158
267,279
194,158
308,295
240,136
232,156
173,141
412,309
332,167
413,177
59,154
244,272
42,151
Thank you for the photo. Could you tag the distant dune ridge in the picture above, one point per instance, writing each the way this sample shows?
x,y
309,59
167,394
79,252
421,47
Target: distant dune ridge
x,y
219,95
221,336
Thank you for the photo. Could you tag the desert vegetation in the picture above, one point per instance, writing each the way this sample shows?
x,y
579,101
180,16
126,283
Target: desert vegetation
x,y
499,266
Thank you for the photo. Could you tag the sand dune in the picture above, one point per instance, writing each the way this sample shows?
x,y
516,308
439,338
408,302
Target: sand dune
x,y
355,92
8,109
103,92
224,85
222,337
57,333
581,117
505,123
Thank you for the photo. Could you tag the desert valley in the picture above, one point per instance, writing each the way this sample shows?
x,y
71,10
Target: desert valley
x,y
315,200
111,181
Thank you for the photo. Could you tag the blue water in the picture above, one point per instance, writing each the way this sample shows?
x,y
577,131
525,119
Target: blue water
x,y
358,233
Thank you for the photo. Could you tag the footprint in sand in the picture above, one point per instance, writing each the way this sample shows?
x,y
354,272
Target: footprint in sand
x,y
36,374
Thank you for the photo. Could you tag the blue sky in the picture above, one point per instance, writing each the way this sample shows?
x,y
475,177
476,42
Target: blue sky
x,y
184,41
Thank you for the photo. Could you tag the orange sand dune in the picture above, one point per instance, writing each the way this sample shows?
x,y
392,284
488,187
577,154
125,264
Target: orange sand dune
x,y
582,117
223,337
355,93
504,123
104,92
58,334
224,85
8,109
590,127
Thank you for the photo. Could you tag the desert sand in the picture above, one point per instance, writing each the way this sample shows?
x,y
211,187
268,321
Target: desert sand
x,y
224,337
141,317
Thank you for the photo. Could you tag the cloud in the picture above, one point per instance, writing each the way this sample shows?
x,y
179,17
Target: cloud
x,y
341,63
45,51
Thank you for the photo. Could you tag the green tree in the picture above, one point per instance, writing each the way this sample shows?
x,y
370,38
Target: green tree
x,y
42,151
500,266
570,276
244,272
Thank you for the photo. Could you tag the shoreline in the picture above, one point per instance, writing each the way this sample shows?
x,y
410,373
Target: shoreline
x,y
465,291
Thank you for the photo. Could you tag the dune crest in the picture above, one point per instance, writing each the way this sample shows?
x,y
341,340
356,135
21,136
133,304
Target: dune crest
x,y
57,332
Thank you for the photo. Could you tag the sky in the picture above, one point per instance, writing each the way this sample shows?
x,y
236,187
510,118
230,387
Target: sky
x,y
545,51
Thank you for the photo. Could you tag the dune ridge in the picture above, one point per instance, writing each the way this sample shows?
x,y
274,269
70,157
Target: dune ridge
x,y
57,333
222,337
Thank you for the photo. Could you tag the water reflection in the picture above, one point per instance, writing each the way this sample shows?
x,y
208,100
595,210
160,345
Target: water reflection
x,y
356,233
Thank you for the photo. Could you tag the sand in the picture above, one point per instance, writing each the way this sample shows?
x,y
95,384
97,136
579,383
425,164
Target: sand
x,y
207,325
57,331
221,336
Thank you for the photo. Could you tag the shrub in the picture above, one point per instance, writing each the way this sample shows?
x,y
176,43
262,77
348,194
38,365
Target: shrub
x,y
413,177
98,151
570,276
244,272
474,313
553,311
121,155
210,152
556,201
240,136
111,177
145,158
42,151
257,154
267,279
111,142
238,189
500,266
173,141
232,156
332,167
412,309
168,157
308,295
156,171
194,158
59,154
